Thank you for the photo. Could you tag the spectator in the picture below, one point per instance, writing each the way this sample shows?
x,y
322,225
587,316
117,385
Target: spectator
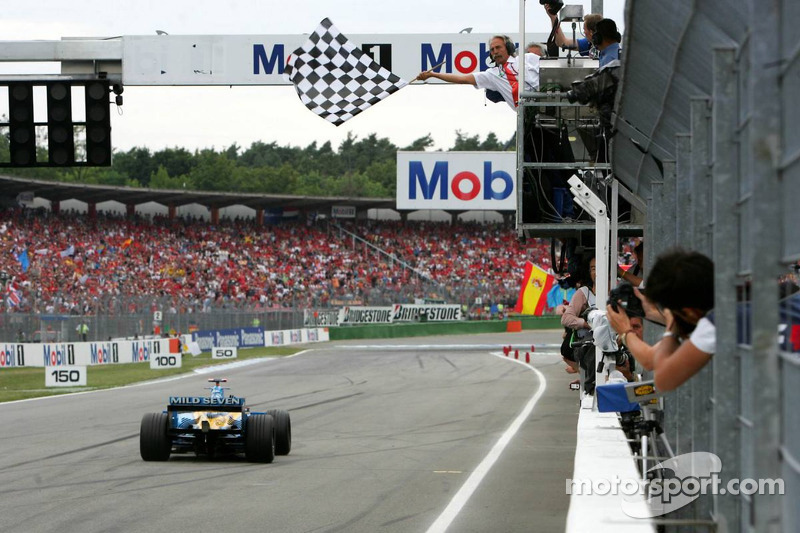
x,y
119,265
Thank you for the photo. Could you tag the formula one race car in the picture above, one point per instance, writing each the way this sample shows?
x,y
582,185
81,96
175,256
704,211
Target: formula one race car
x,y
214,425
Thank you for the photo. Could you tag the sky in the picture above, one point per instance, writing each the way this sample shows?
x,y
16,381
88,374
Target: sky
x,y
218,117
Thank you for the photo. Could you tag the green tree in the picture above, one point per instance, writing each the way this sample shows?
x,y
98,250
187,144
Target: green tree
x,y
420,144
358,155
355,184
312,184
214,172
466,144
383,174
137,164
176,161
162,180
491,144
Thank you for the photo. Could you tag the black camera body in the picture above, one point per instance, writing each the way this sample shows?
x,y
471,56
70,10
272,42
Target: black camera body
x,y
623,296
599,90
555,6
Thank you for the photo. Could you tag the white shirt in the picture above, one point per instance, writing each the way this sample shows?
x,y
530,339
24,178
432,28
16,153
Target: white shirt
x,y
704,336
496,79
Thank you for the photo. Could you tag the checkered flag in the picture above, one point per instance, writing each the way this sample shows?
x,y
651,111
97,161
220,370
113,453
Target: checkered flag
x,y
336,80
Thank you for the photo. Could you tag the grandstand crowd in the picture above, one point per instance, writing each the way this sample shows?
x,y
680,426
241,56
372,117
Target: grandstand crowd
x,y
70,263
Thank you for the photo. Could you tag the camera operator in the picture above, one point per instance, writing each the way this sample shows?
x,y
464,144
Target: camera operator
x,y
606,39
681,285
582,44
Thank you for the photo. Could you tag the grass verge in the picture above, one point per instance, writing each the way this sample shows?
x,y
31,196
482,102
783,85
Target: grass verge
x,y
23,383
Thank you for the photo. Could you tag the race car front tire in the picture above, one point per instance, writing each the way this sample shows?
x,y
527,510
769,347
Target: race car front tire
x,y
259,441
154,442
283,431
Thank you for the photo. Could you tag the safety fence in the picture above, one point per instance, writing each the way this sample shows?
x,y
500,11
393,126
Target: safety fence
x,y
732,192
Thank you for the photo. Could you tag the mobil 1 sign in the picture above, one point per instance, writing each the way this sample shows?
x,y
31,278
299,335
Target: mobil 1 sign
x,y
464,181
160,362
223,352
65,376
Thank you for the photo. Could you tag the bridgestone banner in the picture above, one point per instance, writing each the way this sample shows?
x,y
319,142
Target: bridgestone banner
x,y
365,315
425,313
313,319
397,313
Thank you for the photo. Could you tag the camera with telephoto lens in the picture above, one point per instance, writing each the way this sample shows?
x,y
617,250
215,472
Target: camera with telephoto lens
x,y
555,6
623,296
599,90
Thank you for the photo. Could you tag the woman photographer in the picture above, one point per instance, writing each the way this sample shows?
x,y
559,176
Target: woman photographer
x,y
573,318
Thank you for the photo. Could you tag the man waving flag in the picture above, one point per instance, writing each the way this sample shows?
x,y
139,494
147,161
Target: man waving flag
x,y
336,80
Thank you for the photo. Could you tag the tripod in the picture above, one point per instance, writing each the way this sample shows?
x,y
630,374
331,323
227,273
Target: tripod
x,y
653,444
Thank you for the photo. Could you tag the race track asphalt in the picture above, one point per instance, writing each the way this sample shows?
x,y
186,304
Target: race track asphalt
x,y
384,440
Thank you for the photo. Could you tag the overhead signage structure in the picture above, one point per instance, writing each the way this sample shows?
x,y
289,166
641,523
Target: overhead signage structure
x,y
96,67
261,59
459,181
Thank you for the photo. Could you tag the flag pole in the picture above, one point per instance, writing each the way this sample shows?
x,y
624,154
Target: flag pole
x,y
429,70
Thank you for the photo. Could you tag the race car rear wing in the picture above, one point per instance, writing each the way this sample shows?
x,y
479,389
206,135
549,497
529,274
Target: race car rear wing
x,y
231,403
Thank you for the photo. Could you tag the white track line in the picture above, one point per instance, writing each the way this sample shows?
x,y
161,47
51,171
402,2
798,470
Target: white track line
x,y
468,488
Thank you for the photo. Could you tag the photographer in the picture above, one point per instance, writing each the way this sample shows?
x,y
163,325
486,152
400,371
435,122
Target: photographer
x,y
582,44
681,285
577,327
634,275
629,325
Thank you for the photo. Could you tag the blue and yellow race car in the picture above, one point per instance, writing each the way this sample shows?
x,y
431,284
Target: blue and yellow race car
x,y
214,425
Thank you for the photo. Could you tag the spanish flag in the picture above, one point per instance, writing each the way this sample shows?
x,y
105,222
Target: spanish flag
x,y
127,243
536,283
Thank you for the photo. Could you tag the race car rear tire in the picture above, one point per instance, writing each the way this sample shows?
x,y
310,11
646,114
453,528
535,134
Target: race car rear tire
x,y
283,431
154,442
259,442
